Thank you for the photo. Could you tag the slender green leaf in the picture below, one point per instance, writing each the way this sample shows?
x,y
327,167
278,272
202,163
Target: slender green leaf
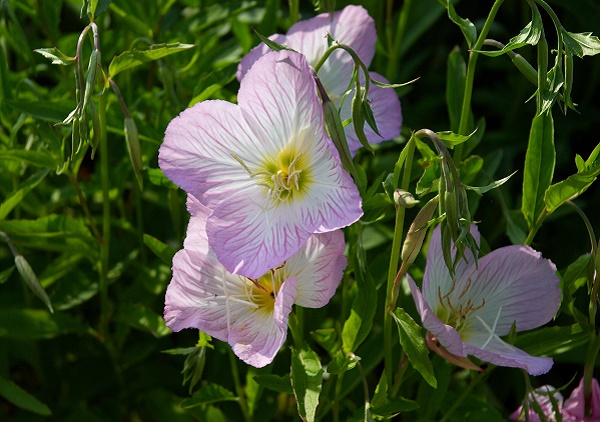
x,y
306,377
57,56
5,275
73,290
273,45
33,324
53,111
452,139
539,166
34,157
21,398
208,393
143,318
411,338
394,406
133,58
547,340
571,188
32,281
278,383
160,249
483,189
17,196
530,35
465,25
358,325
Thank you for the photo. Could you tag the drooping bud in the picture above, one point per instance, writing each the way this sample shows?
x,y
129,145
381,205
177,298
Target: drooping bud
x,y
405,199
417,232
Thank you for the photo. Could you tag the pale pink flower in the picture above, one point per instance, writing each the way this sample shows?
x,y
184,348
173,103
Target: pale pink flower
x,y
250,314
354,27
467,314
265,168
541,396
574,407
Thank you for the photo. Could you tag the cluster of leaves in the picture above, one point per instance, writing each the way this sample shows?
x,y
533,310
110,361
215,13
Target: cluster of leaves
x,y
91,224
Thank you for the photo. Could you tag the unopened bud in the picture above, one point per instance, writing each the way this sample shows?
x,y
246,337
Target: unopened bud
x,y
417,231
405,199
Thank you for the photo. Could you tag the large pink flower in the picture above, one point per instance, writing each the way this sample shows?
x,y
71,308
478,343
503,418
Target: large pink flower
x,y
574,407
354,27
265,168
250,314
468,313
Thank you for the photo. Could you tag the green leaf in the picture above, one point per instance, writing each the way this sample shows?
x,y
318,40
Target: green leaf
x,y
57,56
571,188
158,178
539,166
73,290
208,393
133,147
5,275
143,318
17,196
21,398
546,341
452,139
34,324
530,35
480,190
160,249
394,406
465,25
133,58
340,363
358,325
275,46
411,339
32,281
306,377
53,111
36,158
455,86
53,232
581,44
281,384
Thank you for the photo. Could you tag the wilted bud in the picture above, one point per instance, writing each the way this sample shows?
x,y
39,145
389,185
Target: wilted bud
x,y
417,232
405,199
133,146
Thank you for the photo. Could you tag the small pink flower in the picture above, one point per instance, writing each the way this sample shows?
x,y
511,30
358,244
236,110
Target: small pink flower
x,y
543,396
574,407
250,314
467,314
265,168
354,27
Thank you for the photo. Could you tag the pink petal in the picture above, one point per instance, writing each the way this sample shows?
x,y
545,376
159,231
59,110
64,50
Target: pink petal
x,y
197,151
319,267
195,297
196,239
575,405
544,401
501,353
518,286
437,280
257,336
446,335
386,111
255,54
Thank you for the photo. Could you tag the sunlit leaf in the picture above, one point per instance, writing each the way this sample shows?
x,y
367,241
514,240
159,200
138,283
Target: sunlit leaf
x,y
160,249
133,58
143,318
570,188
307,377
57,56
581,44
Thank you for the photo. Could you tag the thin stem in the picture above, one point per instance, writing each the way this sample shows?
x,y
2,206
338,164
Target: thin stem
x,y
391,297
294,325
105,244
337,397
235,373
463,127
395,41
365,387
533,231
588,370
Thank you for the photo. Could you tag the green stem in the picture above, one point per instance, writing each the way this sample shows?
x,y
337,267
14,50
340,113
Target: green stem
x,y
391,297
105,243
337,397
295,324
395,41
463,128
235,373
533,231
588,370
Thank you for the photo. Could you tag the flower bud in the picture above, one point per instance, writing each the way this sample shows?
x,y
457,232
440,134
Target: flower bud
x,y
417,232
404,199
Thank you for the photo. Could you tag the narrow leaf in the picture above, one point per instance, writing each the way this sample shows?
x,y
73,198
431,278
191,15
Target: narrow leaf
x,y
160,249
281,384
530,35
358,325
32,281
306,377
34,324
483,189
16,197
571,188
21,398
36,158
539,166
133,58
581,44
57,56
414,345
452,139
465,25
272,44
455,86
208,393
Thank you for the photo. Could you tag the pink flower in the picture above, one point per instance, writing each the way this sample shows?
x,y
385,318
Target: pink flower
x,y
250,314
574,407
354,27
469,313
541,396
265,168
